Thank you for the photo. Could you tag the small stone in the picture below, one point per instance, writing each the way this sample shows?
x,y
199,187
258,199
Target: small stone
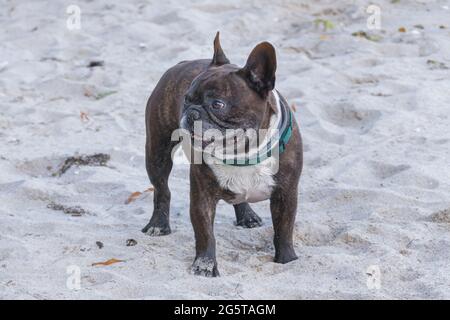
x,y
99,244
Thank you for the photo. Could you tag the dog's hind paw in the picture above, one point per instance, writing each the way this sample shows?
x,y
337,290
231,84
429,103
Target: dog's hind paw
x,y
249,219
205,267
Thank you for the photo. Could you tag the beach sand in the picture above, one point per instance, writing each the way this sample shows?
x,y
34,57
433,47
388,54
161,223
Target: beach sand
x,y
373,107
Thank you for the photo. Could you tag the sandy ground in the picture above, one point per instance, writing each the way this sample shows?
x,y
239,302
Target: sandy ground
x,y
374,113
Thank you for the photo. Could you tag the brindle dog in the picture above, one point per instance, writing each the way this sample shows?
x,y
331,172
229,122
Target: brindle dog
x,y
223,96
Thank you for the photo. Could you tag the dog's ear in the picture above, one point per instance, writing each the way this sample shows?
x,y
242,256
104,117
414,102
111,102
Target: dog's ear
x,y
219,57
259,71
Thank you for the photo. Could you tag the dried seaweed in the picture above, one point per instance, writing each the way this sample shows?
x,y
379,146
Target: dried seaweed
x,y
74,211
95,160
365,35
436,65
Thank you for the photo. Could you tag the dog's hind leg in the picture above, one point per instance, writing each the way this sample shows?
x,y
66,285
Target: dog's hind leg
x,y
159,164
246,217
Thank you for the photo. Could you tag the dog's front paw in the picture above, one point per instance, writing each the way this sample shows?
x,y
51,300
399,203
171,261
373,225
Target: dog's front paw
x,y
154,231
206,267
157,226
285,255
249,219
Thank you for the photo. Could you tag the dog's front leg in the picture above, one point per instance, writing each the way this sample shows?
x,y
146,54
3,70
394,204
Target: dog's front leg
x,y
283,207
202,212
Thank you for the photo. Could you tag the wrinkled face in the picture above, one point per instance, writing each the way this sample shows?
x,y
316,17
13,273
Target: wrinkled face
x,y
220,99
225,100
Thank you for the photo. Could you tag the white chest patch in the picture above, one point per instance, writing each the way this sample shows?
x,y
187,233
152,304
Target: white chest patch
x,y
250,183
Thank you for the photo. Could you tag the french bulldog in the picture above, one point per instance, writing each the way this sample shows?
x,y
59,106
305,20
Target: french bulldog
x,y
223,96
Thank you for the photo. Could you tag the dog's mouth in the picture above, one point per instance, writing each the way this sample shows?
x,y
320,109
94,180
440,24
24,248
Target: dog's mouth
x,y
204,129
197,137
204,141
209,134
219,144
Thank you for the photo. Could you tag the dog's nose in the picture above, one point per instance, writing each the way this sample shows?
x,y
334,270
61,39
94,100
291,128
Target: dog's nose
x,y
193,115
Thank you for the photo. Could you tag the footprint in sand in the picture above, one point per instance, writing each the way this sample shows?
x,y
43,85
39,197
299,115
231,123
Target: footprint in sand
x,y
441,141
345,115
367,62
354,239
421,181
315,234
112,193
11,187
40,167
316,162
97,278
309,120
327,135
384,170
167,18
397,175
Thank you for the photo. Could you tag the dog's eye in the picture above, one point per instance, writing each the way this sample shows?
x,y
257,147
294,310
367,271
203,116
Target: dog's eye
x,y
217,104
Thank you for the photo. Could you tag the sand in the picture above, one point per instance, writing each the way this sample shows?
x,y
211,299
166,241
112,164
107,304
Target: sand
x,y
374,203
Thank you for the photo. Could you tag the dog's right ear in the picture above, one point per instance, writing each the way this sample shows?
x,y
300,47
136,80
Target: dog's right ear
x,y
259,71
219,57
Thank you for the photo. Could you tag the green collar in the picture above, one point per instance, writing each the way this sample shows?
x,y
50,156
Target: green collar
x,y
277,148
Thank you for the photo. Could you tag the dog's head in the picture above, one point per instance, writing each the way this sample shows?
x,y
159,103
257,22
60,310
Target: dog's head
x,y
225,96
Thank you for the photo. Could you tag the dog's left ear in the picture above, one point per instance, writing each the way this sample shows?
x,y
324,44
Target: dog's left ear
x,y
259,71
219,57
